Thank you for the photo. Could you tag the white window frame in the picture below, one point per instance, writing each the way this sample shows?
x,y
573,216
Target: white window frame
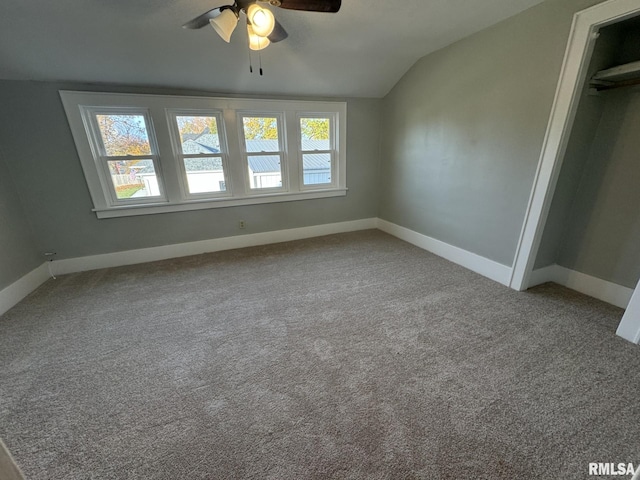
x,y
333,122
167,163
282,153
176,143
102,160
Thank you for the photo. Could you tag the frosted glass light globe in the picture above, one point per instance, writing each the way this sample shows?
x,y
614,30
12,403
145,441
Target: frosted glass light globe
x,y
261,19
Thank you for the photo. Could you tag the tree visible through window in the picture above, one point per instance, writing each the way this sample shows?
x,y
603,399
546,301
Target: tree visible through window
x,y
124,135
260,128
315,128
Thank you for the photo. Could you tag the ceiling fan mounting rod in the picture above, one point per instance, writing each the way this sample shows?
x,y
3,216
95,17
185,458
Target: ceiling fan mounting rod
x,y
233,8
242,4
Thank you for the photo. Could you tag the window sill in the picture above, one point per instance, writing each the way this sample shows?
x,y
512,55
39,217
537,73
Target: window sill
x,y
155,208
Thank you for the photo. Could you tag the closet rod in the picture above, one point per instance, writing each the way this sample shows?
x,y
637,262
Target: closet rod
x,y
623,84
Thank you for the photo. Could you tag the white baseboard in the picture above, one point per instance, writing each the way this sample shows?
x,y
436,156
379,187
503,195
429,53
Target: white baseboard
x,y
544,275
594,287
629,327
488,268
143,255
19,289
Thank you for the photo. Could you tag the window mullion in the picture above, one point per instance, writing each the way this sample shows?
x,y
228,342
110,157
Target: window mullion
x,y
294,157
167,163
285,163
237,160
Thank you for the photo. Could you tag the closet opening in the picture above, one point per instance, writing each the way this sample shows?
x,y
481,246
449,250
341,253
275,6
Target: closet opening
x,y
582,228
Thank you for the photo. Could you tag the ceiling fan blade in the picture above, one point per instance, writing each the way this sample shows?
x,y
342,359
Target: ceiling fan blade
x,y
202,20
278,34
331,6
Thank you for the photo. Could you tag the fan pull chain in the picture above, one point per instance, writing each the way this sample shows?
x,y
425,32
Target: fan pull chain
x,y
259,54
249,51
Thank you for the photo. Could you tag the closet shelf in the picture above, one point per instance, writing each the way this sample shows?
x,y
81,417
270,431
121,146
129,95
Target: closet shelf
x,y
619,76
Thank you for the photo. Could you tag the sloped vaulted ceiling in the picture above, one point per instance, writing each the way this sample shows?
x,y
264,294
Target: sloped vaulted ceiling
x,y
361,51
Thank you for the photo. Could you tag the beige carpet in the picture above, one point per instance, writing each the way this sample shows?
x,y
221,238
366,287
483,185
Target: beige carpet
x,y
349,356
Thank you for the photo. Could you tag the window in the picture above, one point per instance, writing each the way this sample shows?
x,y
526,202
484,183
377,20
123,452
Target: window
x,y
263,152
200,151
317,149
147,154
126,154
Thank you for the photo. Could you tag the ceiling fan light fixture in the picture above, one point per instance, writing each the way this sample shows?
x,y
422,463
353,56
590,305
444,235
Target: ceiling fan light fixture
x,y
261,19
257,42
224,24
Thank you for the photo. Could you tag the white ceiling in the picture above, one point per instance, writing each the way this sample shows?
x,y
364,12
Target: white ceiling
x,y
361,51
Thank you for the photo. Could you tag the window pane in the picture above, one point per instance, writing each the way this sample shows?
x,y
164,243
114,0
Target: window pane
x,y
205,175
198,134
124,135
134,178
265,171
261,134
315,133
316,168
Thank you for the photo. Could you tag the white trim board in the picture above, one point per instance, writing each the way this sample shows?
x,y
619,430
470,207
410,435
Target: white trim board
x,y
609,292
488,268
152,254
19,289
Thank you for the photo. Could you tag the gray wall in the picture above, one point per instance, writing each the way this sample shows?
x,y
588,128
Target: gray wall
x,y
464,127
19,253
41,153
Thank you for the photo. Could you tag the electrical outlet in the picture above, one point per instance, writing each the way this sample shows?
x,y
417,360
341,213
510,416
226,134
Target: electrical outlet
x,y
241,224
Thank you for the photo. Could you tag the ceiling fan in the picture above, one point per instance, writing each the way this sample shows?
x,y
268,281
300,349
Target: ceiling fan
x,y
262,27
